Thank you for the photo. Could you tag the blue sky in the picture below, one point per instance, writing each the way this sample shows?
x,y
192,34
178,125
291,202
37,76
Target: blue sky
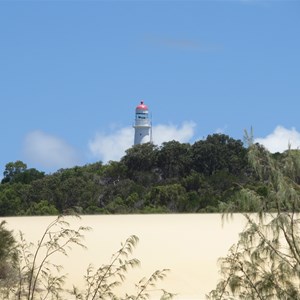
x,y
72,73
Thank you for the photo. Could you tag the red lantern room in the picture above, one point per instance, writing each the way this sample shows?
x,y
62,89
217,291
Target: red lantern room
x,y
142,106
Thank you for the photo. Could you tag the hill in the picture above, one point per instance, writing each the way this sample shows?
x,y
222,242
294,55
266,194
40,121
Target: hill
x,y
172,178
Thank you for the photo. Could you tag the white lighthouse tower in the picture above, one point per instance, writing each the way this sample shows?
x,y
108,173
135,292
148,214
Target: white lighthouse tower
x,y
142,125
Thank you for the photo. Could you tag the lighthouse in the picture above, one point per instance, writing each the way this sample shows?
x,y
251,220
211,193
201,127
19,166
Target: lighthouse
x,y
142,125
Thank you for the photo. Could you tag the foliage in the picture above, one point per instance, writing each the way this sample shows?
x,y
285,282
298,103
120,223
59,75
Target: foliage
x,y
43,208
35,276
100,283
12,169
18,172
173,159
8,255
265,262
205,176
140,158
172,196
218,152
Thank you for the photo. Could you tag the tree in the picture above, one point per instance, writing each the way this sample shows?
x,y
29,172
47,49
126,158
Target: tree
x,y
38,277
43,208
171,196
12,169
265,263
11,199
140,158
173,159
17,172
100,283
28,176
7,254
140,162
218,152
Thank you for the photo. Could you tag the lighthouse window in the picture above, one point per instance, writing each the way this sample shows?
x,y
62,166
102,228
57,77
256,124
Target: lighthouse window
x,y
141,116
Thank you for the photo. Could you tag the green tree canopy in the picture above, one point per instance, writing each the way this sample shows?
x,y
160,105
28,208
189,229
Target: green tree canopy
x,y
17,172
173,159
140,158
265,262
7,253
218,152
12,169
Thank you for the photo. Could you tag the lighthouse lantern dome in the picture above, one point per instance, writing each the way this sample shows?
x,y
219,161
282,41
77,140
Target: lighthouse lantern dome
x,y
142,106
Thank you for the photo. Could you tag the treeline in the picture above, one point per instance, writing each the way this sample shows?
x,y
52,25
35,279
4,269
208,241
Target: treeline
x,y
173,178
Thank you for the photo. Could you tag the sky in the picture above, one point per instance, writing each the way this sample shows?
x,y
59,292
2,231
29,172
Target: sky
x,y
72,73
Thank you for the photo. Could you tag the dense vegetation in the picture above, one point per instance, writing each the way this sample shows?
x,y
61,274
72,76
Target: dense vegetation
x,y
172,178
265,262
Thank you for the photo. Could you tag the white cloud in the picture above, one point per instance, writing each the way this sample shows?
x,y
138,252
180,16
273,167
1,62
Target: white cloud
x,y
48,151
112,146
280,139
165,133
